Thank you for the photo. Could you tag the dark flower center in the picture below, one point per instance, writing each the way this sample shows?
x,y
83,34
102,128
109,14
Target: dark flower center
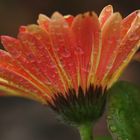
x,y
80,107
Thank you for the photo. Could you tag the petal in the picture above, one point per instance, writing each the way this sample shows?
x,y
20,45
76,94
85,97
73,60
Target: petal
x,y
45,63
43,21
126,23
105,14
14,74
24,58
63,45
44,38
7,89
128,47
69,19
110,43
86,30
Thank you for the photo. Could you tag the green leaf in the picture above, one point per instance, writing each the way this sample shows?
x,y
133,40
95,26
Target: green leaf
x,y
123,111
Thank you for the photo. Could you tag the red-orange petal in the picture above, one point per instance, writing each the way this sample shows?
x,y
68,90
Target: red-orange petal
x,y
25,59
126,23
110,43
7,89
86,31
43,21
69,19
44,62
128,47
105,14
63,46
44,38
14,74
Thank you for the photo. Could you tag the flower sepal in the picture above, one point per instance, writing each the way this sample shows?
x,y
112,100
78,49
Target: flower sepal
x,y
80,108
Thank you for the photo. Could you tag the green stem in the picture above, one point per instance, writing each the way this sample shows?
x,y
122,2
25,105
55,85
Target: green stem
x,y
86,131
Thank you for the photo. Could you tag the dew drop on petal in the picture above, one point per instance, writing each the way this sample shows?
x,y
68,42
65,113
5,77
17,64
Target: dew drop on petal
x,y
134,38
85,70
65,25
110,41
30,57
79,50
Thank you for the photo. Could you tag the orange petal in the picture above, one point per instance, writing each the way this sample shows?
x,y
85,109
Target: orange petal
x,y
47,68
105,14
43,21
69,19
126,23
63,45
86,32
25,59
9,72
110,42
128,47
14,74
7,89
48,50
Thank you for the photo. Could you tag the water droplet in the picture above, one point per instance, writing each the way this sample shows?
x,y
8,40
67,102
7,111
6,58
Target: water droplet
x,y
53,76
109,117
65,25
51,65
67,55
118,41
59,34
16,54
56,48
85,70
113,128
48,83
134,38
109,66
30,57
70,64
114,29
110,41
79,50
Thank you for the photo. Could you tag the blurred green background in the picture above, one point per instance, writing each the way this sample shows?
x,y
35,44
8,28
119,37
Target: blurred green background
x,y
22,119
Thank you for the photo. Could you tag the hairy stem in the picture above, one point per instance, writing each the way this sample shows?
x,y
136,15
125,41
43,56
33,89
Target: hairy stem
x,y
86,132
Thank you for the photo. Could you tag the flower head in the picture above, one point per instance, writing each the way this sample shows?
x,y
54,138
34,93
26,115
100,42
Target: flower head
x,y
68,62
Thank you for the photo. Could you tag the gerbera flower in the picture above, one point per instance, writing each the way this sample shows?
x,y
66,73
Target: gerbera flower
x,y
69,62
